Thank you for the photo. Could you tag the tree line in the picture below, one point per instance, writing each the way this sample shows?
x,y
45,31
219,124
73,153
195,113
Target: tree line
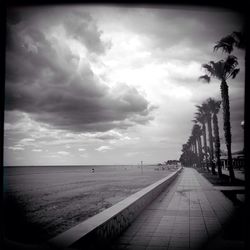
x,y
208,154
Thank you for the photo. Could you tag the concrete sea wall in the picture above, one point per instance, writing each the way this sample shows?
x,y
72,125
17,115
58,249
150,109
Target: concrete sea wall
x,y
103,227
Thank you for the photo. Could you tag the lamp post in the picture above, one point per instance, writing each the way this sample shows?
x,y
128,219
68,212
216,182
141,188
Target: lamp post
x,y
242,124
142,167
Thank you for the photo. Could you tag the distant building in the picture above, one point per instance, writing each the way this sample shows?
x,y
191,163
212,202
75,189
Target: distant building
x,y
238,160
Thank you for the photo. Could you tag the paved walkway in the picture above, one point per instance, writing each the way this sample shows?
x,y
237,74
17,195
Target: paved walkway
x,y
183,217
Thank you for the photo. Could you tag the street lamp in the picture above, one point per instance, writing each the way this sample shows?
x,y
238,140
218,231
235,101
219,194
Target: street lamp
x,y
242,124
142,167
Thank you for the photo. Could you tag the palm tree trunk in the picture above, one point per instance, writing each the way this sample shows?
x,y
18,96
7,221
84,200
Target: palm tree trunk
x,y
210,135
205,142
217,144
195,151
200,150
227,126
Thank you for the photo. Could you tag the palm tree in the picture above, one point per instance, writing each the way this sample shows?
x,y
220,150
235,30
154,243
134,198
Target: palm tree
x,y
201,118
189,143
215,108
187,156
196,133
207,113
184,158
235,39
194,144
191,151
223,70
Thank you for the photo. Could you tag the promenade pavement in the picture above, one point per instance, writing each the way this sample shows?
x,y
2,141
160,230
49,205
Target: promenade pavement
x,y
185,216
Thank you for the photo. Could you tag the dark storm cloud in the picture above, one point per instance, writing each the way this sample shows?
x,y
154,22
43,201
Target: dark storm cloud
x,y
77,24
83,28
107,137
45,79
203,27
190,33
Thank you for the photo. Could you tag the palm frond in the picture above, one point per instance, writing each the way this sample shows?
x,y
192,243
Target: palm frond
x,y
232,60
199,109
208,67
226,44
200,117
212,63
230,64
206,78
214,69
205,108
213,105
240,40
235,72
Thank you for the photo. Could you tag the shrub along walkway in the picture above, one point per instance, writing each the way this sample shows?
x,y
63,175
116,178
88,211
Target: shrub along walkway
x,y
186,216
239,174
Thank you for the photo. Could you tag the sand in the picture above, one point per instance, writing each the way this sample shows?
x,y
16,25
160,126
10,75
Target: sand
x,y
46,201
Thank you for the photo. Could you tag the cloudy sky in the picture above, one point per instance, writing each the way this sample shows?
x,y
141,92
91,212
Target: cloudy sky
x,y
111,84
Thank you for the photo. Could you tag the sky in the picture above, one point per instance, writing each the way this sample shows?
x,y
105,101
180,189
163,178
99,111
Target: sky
x,y
111,84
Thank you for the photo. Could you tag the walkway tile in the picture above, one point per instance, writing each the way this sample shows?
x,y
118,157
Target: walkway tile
x,y
184,216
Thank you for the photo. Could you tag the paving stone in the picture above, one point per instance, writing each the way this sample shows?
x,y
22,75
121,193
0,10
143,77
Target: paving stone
x,y
144,233
136,247
179,243
123,240
140,238
200,232
180,234
159,241
119,247
182,219
129,233
156,248
161,233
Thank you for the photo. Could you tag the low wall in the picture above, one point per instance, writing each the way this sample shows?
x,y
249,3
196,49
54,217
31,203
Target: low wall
x,y
103,227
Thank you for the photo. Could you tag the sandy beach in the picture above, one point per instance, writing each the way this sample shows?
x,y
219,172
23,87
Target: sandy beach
x,y
49,200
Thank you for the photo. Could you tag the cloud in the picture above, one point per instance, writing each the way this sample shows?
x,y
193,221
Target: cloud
x,y
68,89
63,153
131,154
37,150
110,135
27,140
103,148
81,149
81,26
83,155
16,148
176,29
56,87
78,25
